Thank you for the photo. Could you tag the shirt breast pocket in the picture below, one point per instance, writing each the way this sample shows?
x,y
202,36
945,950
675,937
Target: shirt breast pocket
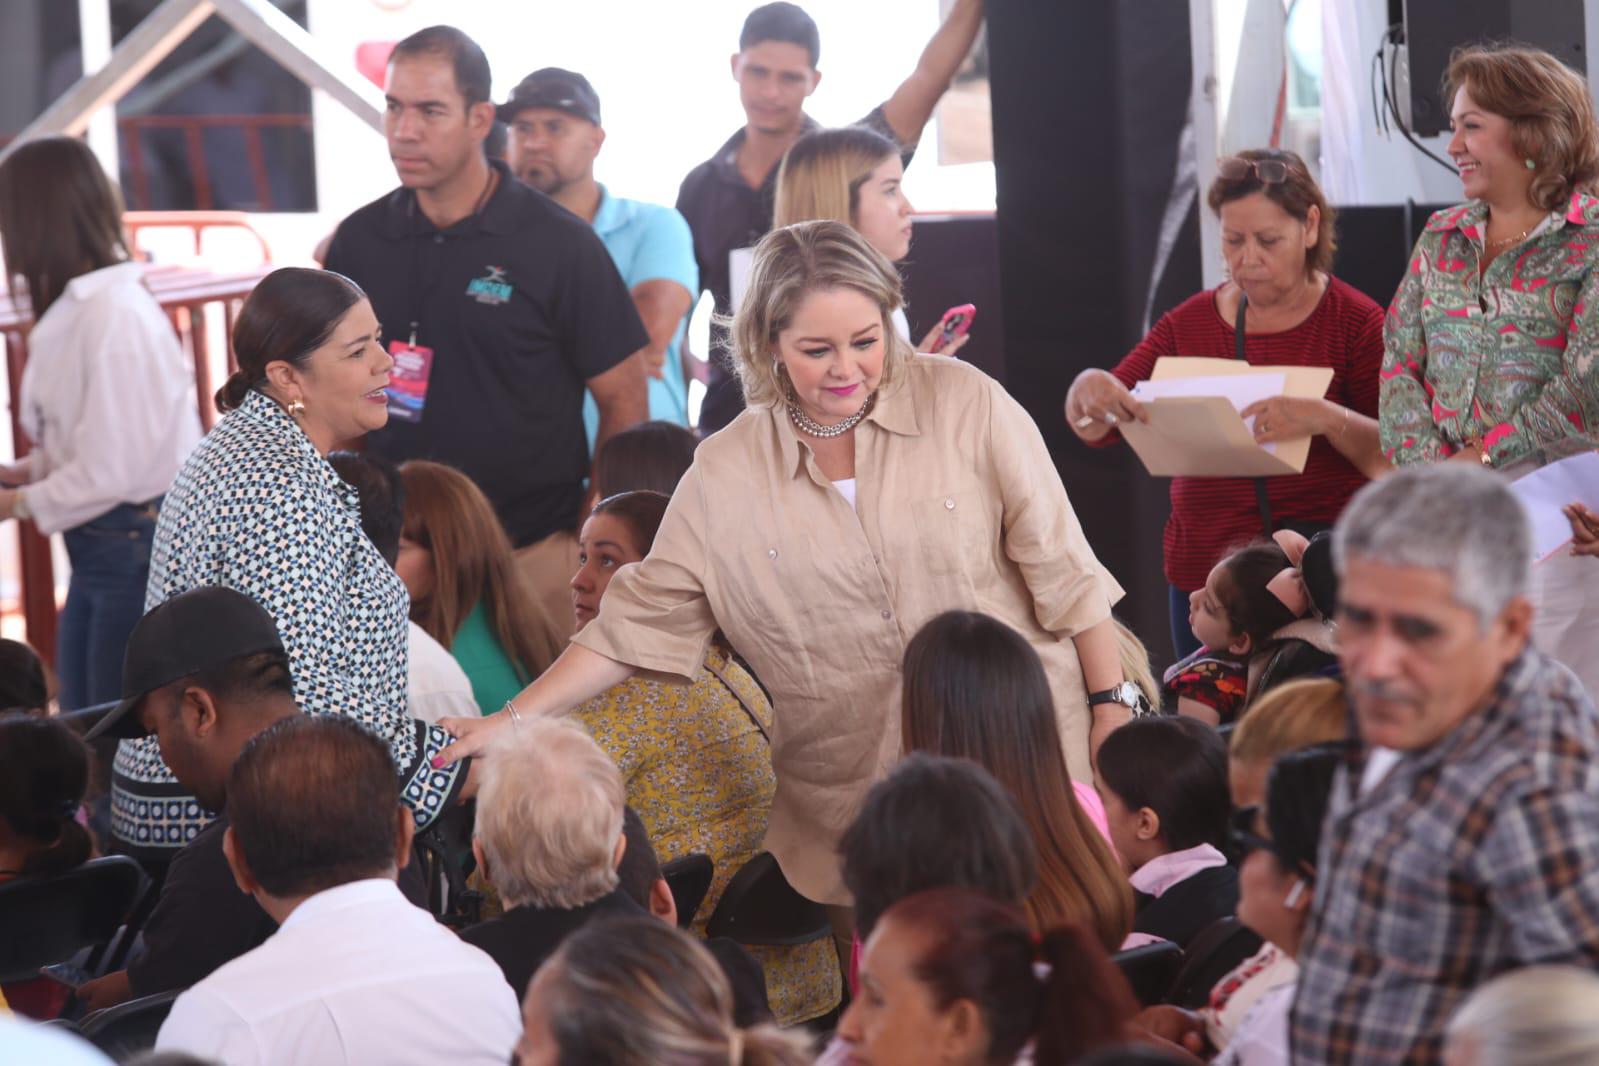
x,y
953,534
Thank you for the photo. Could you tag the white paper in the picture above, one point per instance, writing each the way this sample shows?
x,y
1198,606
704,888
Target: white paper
x,y
1548,489
1240,389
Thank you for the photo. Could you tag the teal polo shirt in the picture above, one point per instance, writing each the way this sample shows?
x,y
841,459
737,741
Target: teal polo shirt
x,y
649,242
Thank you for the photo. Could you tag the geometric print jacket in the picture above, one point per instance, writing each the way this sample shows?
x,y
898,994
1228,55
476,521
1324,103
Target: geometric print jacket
x,y
256,509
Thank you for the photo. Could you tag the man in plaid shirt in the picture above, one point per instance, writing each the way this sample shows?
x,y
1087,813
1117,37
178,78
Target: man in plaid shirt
x,y
1462,838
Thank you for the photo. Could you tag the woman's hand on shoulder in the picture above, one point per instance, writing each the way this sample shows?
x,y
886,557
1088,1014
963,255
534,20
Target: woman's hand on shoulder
x,y
1097,403
472,736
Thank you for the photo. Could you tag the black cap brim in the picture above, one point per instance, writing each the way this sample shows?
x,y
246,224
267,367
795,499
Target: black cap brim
x,y
121,721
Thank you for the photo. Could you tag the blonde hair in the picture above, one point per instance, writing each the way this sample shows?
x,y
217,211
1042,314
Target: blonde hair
x,y
822,174
1135,662
640,992
1536,1016
1290,716
1551,114
790,264
549,814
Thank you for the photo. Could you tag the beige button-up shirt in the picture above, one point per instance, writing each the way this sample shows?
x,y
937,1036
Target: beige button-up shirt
x,y
958,506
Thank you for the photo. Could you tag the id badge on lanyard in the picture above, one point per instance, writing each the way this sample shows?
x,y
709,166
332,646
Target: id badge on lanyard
x,y
408,380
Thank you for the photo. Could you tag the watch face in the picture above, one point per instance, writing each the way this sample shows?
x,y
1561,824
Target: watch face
x,y
1128,693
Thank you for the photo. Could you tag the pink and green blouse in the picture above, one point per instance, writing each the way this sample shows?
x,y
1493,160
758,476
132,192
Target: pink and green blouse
x,y
1508,356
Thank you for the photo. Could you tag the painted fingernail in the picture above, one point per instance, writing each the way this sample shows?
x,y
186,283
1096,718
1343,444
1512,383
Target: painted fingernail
x,y
438,762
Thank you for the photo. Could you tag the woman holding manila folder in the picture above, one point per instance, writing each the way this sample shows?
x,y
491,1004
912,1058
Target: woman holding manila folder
x,y
1278,241
860,494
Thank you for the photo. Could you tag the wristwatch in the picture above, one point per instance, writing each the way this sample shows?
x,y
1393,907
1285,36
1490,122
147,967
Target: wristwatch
x,y
1127,694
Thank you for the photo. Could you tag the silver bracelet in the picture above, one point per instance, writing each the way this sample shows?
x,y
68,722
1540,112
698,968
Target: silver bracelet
x,y
516,715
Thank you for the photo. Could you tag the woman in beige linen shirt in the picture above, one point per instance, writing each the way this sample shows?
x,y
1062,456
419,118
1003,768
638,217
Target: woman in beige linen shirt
x,y
863,492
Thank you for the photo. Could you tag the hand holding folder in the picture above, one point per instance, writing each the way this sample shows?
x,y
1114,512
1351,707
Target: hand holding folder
x,y
1195,428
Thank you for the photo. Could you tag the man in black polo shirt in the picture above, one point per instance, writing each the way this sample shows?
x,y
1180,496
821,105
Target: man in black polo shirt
x,y
728,198
499,306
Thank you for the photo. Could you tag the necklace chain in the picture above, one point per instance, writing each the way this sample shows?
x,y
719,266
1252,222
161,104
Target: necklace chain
x,y
1509,240
812,428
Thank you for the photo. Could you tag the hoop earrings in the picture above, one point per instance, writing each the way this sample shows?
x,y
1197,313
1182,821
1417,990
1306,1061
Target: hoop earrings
x,y
296,409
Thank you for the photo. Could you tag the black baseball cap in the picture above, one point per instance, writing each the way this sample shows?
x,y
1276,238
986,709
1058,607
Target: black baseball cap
x,y
552,87
191,633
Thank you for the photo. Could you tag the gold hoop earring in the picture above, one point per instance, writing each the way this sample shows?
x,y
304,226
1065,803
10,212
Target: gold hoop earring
x,y
296,409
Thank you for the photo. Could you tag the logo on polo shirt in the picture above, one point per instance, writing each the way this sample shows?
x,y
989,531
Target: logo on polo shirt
x,y
491,288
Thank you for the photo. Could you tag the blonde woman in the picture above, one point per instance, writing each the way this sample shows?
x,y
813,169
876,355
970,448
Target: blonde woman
x,y
861,493
854,175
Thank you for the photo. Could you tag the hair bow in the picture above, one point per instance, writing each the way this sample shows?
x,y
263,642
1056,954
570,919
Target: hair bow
x,y
1289,584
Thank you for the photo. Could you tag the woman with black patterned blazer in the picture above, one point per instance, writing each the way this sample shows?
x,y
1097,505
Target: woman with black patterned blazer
x,y
257,508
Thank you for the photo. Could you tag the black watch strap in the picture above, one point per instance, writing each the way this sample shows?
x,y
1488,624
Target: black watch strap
x,y
1107,696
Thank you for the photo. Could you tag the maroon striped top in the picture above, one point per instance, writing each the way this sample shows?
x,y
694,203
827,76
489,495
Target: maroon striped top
x,y
1211,514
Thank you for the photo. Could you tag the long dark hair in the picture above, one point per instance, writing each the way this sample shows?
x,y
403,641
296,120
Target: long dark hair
x,y
650,456
448,515
978,949
1251,609
60,217
289,315
975,689
44,772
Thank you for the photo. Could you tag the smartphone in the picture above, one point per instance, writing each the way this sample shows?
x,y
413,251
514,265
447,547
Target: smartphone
x,y
955,323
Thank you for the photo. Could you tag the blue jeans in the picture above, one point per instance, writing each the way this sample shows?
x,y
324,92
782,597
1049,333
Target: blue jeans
x,y
105,598
1183,641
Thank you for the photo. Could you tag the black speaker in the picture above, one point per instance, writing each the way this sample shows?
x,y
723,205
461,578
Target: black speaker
x,y
1435,28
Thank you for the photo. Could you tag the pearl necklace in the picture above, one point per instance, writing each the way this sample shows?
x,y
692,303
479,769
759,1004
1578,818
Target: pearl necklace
x,y
812,428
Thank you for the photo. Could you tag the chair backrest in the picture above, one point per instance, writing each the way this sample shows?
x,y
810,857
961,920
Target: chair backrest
x,y
1149,969
45,920
1213,953
446,847
760,907
689,878
128,1028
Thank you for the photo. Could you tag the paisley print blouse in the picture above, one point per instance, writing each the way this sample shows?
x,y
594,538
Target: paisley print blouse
x,y
255,508
1506,357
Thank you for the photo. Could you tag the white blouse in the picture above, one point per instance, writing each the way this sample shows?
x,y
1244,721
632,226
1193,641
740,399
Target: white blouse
x,y
107,398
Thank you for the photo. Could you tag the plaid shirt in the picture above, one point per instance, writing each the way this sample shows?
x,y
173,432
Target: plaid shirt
x,y
1476,856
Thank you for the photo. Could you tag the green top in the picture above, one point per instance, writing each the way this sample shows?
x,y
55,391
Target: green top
x,y
494,675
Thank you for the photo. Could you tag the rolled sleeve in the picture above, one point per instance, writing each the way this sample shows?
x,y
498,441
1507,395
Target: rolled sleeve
x,y
655,615
1071,591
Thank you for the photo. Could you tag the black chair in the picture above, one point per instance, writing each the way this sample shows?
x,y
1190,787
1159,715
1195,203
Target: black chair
x,y
128,1028
1149,969
1212,954
689,878
760,907
45,920
446,848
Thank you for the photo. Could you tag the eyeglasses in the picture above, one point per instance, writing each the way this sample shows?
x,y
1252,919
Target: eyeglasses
x,y
1269,171
1243,835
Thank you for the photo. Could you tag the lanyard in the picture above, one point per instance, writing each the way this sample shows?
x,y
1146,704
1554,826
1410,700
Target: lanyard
x,y
1262,501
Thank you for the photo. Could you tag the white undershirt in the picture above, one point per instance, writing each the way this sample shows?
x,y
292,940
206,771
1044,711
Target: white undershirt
x,y
846,488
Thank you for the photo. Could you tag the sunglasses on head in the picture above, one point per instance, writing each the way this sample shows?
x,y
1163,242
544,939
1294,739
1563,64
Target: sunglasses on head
x,y
1268,171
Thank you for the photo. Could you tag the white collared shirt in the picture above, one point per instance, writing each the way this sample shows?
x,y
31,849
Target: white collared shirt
x,y
437,687
107,398
355,975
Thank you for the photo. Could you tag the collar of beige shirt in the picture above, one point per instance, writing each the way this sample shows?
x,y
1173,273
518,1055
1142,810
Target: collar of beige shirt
x,y
895,412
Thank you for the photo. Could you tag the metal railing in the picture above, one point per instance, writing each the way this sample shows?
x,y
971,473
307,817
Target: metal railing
x,y
187,296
